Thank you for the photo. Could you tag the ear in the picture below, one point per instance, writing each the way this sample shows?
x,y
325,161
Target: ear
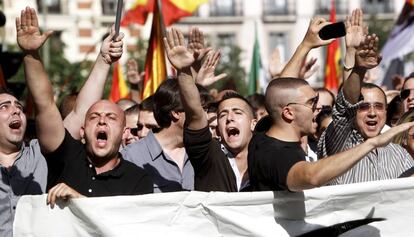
x,y
125,133
253,123
82,135
175,115
287,114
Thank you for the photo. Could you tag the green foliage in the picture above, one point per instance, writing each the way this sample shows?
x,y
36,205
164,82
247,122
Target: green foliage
x,y
230,64
380,27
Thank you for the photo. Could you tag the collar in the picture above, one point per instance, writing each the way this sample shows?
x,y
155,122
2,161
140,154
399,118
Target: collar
x,y
153,146
118,171
226,152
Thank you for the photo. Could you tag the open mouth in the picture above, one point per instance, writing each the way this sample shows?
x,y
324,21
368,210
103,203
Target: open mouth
x,y
15,124
233,132
102,138
372,124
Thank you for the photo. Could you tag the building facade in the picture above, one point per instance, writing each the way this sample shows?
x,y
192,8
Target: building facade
x,y
81,24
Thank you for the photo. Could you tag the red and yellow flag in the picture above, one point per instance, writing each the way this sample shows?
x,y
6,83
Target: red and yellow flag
x,y
172,10
119,88
155,66
333,58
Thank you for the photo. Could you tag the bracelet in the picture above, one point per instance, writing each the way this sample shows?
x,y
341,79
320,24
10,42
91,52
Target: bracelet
x,y
347,68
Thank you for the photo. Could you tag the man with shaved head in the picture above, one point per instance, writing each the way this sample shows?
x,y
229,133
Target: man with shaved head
x,y
276,158
91,167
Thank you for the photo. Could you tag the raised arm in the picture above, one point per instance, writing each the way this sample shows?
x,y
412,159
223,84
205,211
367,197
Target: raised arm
x,y
305,175
356,32
310,41
49,124
182,59
134,78
92,90
367,57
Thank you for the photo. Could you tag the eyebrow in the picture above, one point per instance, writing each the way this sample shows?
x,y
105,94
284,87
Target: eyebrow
x,y
10,102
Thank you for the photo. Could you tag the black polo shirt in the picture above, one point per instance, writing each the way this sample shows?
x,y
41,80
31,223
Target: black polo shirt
x,y
69,165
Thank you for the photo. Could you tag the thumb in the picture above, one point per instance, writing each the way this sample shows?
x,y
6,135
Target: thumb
x,y
47,34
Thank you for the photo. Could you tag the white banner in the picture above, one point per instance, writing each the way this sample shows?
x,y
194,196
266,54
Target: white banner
x,y
229,214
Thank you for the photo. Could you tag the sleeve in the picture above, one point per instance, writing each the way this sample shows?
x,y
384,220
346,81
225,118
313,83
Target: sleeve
x,y
198,145
64,153
144,185
334,137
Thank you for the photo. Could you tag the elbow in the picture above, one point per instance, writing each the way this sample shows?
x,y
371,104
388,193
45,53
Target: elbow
x,y
315,180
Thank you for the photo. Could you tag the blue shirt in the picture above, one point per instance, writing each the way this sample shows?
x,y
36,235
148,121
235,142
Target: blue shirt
x,y
147,153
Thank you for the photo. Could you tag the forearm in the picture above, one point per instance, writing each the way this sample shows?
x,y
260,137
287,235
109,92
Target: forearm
x,y
190,97
292,68
349,62
38,82
50,131
90,93
135,93
321,172
352,86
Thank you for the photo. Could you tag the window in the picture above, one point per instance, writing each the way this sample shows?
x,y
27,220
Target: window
x,y
324,7
225,42
109,7
377,6
225,8
53,6
278,40
274,7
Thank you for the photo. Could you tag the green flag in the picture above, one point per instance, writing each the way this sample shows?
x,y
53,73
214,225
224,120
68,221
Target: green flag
x,y
254,75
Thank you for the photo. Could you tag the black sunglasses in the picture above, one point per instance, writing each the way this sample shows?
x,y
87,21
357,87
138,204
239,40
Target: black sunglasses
x,y
405,93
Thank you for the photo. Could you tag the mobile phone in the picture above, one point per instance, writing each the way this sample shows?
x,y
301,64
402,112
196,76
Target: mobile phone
x,y
332,31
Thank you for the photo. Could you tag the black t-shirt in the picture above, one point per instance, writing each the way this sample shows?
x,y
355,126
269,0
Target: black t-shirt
x,y
270,160
212,169
69,164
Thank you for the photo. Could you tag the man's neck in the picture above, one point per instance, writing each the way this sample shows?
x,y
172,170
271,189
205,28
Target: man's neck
x,y
103,165
284,133
8,155
170,138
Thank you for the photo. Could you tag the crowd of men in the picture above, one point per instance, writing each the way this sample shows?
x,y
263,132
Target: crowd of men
x,y
181,139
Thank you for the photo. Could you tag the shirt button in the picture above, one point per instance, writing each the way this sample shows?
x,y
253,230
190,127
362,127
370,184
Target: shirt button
x,y
90,190
93,177
90,165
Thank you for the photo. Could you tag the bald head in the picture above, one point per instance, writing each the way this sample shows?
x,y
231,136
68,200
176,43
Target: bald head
x,y
106,106
280,92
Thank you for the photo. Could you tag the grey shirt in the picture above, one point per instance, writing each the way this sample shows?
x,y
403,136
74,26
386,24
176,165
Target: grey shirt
x,y
147,153
27,176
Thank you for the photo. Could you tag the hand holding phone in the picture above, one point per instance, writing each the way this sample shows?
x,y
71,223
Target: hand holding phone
x,y
332,31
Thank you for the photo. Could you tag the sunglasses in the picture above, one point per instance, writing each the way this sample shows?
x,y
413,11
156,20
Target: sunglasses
x,y
313,100
405,93
140,126
365,106
134,131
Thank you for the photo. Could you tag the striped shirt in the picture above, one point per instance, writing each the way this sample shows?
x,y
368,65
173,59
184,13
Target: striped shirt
x,y
381,163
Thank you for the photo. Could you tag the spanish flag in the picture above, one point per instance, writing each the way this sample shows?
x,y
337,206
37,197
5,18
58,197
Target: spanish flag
x,y
333,58
155,66
119,88
172,10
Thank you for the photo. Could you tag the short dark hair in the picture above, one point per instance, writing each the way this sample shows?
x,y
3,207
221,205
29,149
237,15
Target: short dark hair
x,y
256,100
234,95
132,110
5,90
409,77
166,99
147,104
366,85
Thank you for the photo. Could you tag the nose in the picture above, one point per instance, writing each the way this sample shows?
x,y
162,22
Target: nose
x,y
411,95
371,111
230,117
102,120
16,110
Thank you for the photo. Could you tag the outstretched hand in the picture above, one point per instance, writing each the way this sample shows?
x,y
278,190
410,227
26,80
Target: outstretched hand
x,y
29,37
275,64
196,46
205,76
61,191
133,75
367,55
308,68
386,137
355,29
111,49
179,55
312,39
